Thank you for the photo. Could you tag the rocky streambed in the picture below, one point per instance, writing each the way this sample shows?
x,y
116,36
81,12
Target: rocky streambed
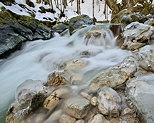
x,y
84,88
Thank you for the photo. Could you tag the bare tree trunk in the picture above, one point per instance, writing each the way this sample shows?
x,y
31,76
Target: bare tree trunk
x,y
64,3
93,9
78,7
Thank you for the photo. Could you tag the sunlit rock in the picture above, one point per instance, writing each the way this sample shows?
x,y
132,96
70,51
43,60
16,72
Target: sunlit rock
x,y
77,107
66,119
75,64
56,79
56,97
109,102
98,118
136,35
145,57
115,75
141,92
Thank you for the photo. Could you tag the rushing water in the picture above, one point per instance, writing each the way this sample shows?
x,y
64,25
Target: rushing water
x,y
39,58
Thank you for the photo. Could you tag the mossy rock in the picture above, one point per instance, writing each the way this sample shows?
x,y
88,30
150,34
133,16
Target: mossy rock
x,y
60,27
126,17
7,2
79,21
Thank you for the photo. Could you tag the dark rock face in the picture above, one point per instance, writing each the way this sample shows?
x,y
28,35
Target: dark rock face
x,y
79,21
60,27
7,2
16,29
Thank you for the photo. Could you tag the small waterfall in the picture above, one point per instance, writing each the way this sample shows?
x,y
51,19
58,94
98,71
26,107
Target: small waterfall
x,y
94,45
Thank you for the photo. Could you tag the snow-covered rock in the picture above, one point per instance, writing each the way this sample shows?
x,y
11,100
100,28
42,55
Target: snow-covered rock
x,y
136,35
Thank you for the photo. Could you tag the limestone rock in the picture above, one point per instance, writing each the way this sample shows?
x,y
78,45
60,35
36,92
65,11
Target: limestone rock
x,y
115,75
77,22
109,102
56,79
66,119
98,118
54,99
145,57
141,92
136,35
77,107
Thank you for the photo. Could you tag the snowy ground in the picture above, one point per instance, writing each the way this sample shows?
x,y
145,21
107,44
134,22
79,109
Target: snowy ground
x,y
70,11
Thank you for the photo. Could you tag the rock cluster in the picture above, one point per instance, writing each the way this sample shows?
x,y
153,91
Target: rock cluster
x,y
16,29
135,36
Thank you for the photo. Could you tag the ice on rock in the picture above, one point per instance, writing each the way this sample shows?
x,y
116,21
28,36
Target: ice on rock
x,y
27,90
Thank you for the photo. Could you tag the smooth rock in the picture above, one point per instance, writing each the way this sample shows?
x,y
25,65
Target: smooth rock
x,y
60,27
66,119
80,121
77,107
145,57
109,102
98,118
79,21
141,92
115,75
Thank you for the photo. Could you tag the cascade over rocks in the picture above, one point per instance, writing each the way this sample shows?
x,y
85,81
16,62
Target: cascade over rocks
x,y
79,21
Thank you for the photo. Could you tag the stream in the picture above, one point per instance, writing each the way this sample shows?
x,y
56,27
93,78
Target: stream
x,y
39,58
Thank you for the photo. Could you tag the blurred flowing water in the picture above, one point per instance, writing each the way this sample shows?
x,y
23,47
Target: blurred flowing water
x,y
39,58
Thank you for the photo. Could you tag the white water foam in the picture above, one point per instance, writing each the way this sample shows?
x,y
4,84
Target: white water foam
x,y
39,58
